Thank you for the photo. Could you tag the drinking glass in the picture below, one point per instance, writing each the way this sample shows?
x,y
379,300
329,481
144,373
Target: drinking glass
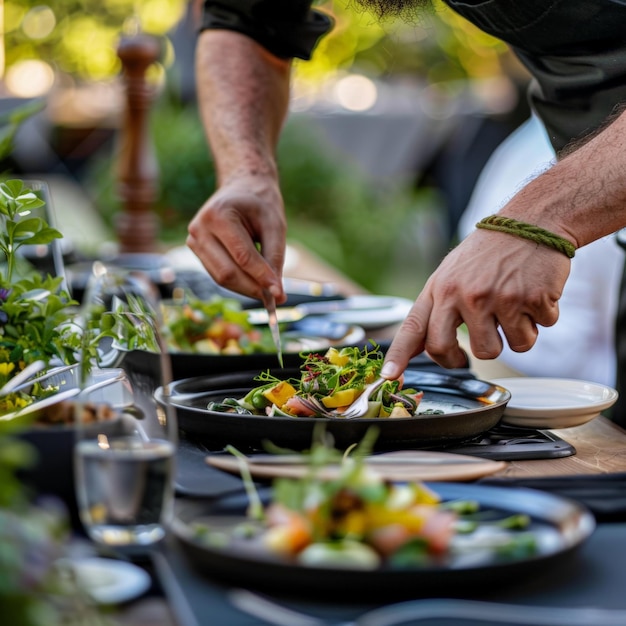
x,y
124,466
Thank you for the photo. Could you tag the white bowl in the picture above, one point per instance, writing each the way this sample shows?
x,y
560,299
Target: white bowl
x,y
554,402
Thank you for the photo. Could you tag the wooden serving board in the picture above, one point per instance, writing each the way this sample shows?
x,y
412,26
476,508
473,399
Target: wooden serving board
x,y
399,466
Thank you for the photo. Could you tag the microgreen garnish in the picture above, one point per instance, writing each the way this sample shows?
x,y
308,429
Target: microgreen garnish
x,y
327,385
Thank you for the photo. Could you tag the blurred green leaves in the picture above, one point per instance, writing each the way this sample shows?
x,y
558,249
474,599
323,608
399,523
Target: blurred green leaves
x,y
79,37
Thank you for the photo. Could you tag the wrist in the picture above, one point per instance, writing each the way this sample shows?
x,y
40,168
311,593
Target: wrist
x,y
532,232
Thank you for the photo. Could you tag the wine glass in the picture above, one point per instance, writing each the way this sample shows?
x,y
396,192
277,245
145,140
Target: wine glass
x,y
124,466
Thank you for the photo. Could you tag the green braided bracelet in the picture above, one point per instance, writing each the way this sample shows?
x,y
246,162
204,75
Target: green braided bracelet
x,y
528,231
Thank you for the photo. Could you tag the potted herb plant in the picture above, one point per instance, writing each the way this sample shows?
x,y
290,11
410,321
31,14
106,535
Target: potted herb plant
x,y
35,311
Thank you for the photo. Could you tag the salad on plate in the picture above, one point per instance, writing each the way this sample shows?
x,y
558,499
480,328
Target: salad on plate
x,y
360,521
221,326
328,384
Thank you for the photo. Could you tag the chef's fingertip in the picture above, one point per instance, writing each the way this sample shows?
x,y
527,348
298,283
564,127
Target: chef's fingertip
x,y
390,370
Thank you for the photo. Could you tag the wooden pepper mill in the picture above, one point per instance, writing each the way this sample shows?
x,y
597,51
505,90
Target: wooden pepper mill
x,y
137,169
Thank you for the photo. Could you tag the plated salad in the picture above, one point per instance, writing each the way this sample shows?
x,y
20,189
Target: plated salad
x,y
360,521
328,384
215,326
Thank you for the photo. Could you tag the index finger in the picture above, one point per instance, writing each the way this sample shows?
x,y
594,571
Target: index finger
x,y
410,339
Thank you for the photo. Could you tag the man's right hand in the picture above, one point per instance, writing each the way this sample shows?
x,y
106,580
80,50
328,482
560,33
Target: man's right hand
x,y
225,232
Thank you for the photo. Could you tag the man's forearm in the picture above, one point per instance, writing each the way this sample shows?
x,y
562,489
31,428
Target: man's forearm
x,y
243,96
583,196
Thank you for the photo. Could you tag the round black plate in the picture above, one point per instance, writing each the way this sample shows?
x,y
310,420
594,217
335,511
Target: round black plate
x,y
560,526
309,335
190,397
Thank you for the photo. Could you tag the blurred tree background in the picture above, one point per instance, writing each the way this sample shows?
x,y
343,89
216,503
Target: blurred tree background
x,y
63,50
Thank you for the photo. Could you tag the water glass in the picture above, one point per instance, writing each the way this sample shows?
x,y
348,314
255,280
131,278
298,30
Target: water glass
x,y
124,467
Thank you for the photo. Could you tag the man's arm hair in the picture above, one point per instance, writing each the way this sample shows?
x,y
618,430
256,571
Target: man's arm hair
x,y
577,143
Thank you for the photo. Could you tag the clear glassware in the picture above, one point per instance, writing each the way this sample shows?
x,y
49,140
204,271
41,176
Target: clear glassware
x,y
124,466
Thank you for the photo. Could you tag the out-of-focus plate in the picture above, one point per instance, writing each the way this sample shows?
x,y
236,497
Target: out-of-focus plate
x,y
559,526
372,312
109,581
310,335
399,466
554,402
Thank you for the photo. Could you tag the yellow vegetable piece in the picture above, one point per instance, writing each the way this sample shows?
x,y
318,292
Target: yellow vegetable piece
x,y
206,346
399,411
353,524
336,358
378,516
279,393
424,495
343,397
232,347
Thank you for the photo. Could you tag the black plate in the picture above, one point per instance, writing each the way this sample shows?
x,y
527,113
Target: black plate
x,y
191,396
560,526
322,335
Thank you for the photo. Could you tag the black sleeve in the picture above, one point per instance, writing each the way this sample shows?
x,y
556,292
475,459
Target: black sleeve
x,y
287,28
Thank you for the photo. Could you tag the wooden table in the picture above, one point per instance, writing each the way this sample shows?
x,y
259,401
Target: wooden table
x,y
600,448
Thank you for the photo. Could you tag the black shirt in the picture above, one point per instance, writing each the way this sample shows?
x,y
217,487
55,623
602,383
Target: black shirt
x,y
574,49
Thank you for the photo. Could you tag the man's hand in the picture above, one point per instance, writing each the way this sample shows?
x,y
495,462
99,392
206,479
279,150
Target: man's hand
x,y
225,232
490,282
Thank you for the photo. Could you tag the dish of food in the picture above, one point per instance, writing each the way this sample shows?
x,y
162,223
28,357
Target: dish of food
x,y
448,410
48,425
106,391
215,326
554,402
327,387
359,534
215,336
301,337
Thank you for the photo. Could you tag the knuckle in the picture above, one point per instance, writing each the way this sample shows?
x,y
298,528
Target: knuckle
x,y
440,351
242,255
486,353
223,274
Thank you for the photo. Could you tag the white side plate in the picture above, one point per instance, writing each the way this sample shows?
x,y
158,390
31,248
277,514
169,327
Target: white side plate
x,y
109,581
554,402
375,311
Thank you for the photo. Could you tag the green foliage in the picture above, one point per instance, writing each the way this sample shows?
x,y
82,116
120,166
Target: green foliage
x,y
17,230
34,589
33,309
432,44
336,211
186,170
10,122
80,37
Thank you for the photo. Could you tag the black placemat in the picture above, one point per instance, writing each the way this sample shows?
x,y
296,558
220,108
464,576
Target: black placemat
x,y
196,479
603,494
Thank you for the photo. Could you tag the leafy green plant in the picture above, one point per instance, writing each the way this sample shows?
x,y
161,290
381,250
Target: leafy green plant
x,y
33,310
